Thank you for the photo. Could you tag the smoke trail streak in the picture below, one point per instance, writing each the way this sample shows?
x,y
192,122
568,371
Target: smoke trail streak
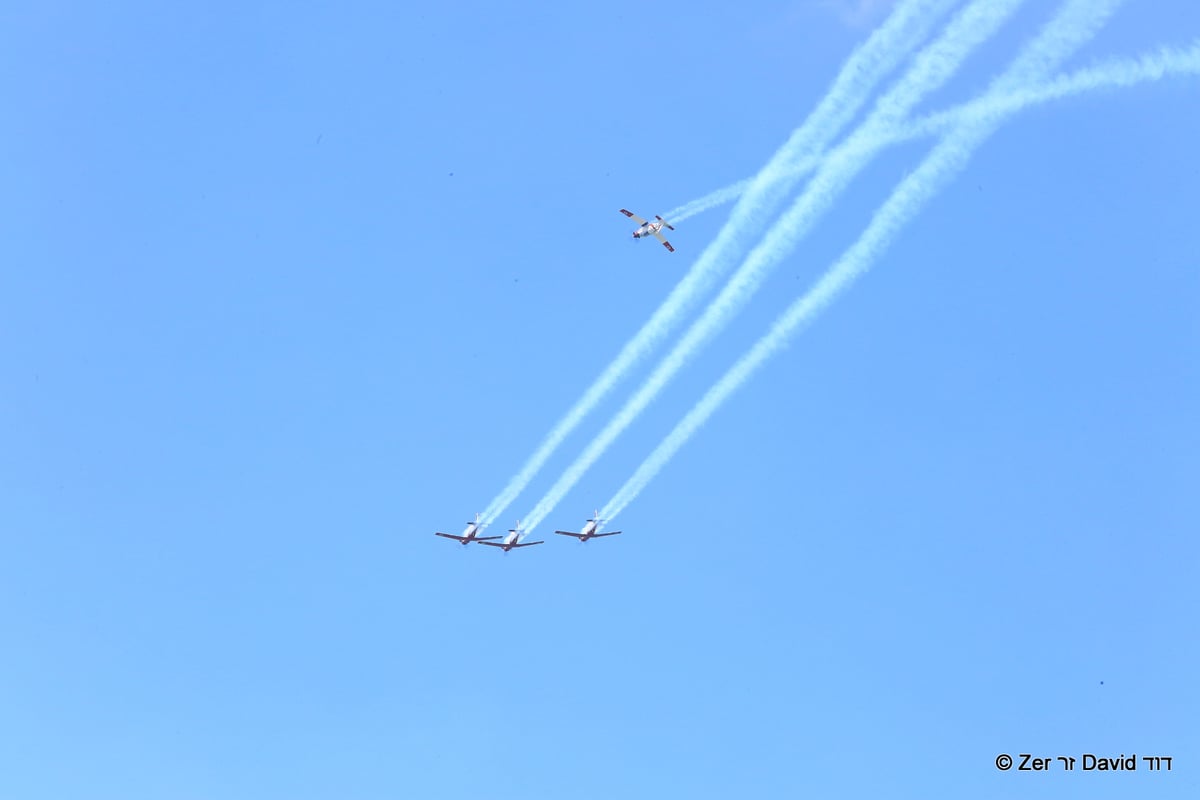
x,y
1070,29
904,29
716,198
933,66
1110,74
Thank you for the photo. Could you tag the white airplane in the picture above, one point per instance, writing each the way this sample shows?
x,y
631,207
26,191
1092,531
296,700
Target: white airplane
x,y
510,541
471,534
590,530
650,228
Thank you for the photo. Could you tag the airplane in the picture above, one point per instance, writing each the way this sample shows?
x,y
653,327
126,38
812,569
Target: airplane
x,y
510,541
650,228
590,530
471,534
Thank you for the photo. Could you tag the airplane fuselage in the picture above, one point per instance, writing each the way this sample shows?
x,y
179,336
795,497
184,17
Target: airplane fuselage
x,y
647,229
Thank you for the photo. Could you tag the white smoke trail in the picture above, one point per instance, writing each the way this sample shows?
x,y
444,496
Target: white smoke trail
x,y
904,29
1114,73
933,66
1073,26
713,199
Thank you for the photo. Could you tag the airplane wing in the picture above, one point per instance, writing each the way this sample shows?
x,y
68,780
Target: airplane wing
x,y
610,533
526,544
633,217
666,244
569,533
465,539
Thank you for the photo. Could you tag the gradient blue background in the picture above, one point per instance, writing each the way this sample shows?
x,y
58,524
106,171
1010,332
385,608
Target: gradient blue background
x,y
285,288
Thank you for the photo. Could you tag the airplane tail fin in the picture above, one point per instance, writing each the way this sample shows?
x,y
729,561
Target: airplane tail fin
x,y
664,222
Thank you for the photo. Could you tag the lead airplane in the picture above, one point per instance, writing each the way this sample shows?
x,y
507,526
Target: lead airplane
x,y
511,540
650,228
590,530
471,534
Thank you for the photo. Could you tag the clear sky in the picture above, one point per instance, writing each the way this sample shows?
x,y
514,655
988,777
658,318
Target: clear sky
x,y
285,288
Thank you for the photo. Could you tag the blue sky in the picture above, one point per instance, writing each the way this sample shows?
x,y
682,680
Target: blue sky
x,y
285,290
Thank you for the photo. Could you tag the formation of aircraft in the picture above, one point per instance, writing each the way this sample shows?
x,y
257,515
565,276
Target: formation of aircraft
x,y
650,228
591,530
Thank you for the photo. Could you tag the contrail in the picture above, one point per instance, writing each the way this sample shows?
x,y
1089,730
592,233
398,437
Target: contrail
x,y
1077,22
903,31
717,198
1114,73
931,68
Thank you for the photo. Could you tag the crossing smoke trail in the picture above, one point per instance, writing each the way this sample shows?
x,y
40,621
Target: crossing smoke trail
x,y
1070,29
1114,74
932,67
904,29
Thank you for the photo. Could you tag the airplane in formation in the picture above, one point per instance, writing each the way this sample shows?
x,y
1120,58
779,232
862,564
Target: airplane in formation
x,y
650,228
471,534
510,541
591,529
